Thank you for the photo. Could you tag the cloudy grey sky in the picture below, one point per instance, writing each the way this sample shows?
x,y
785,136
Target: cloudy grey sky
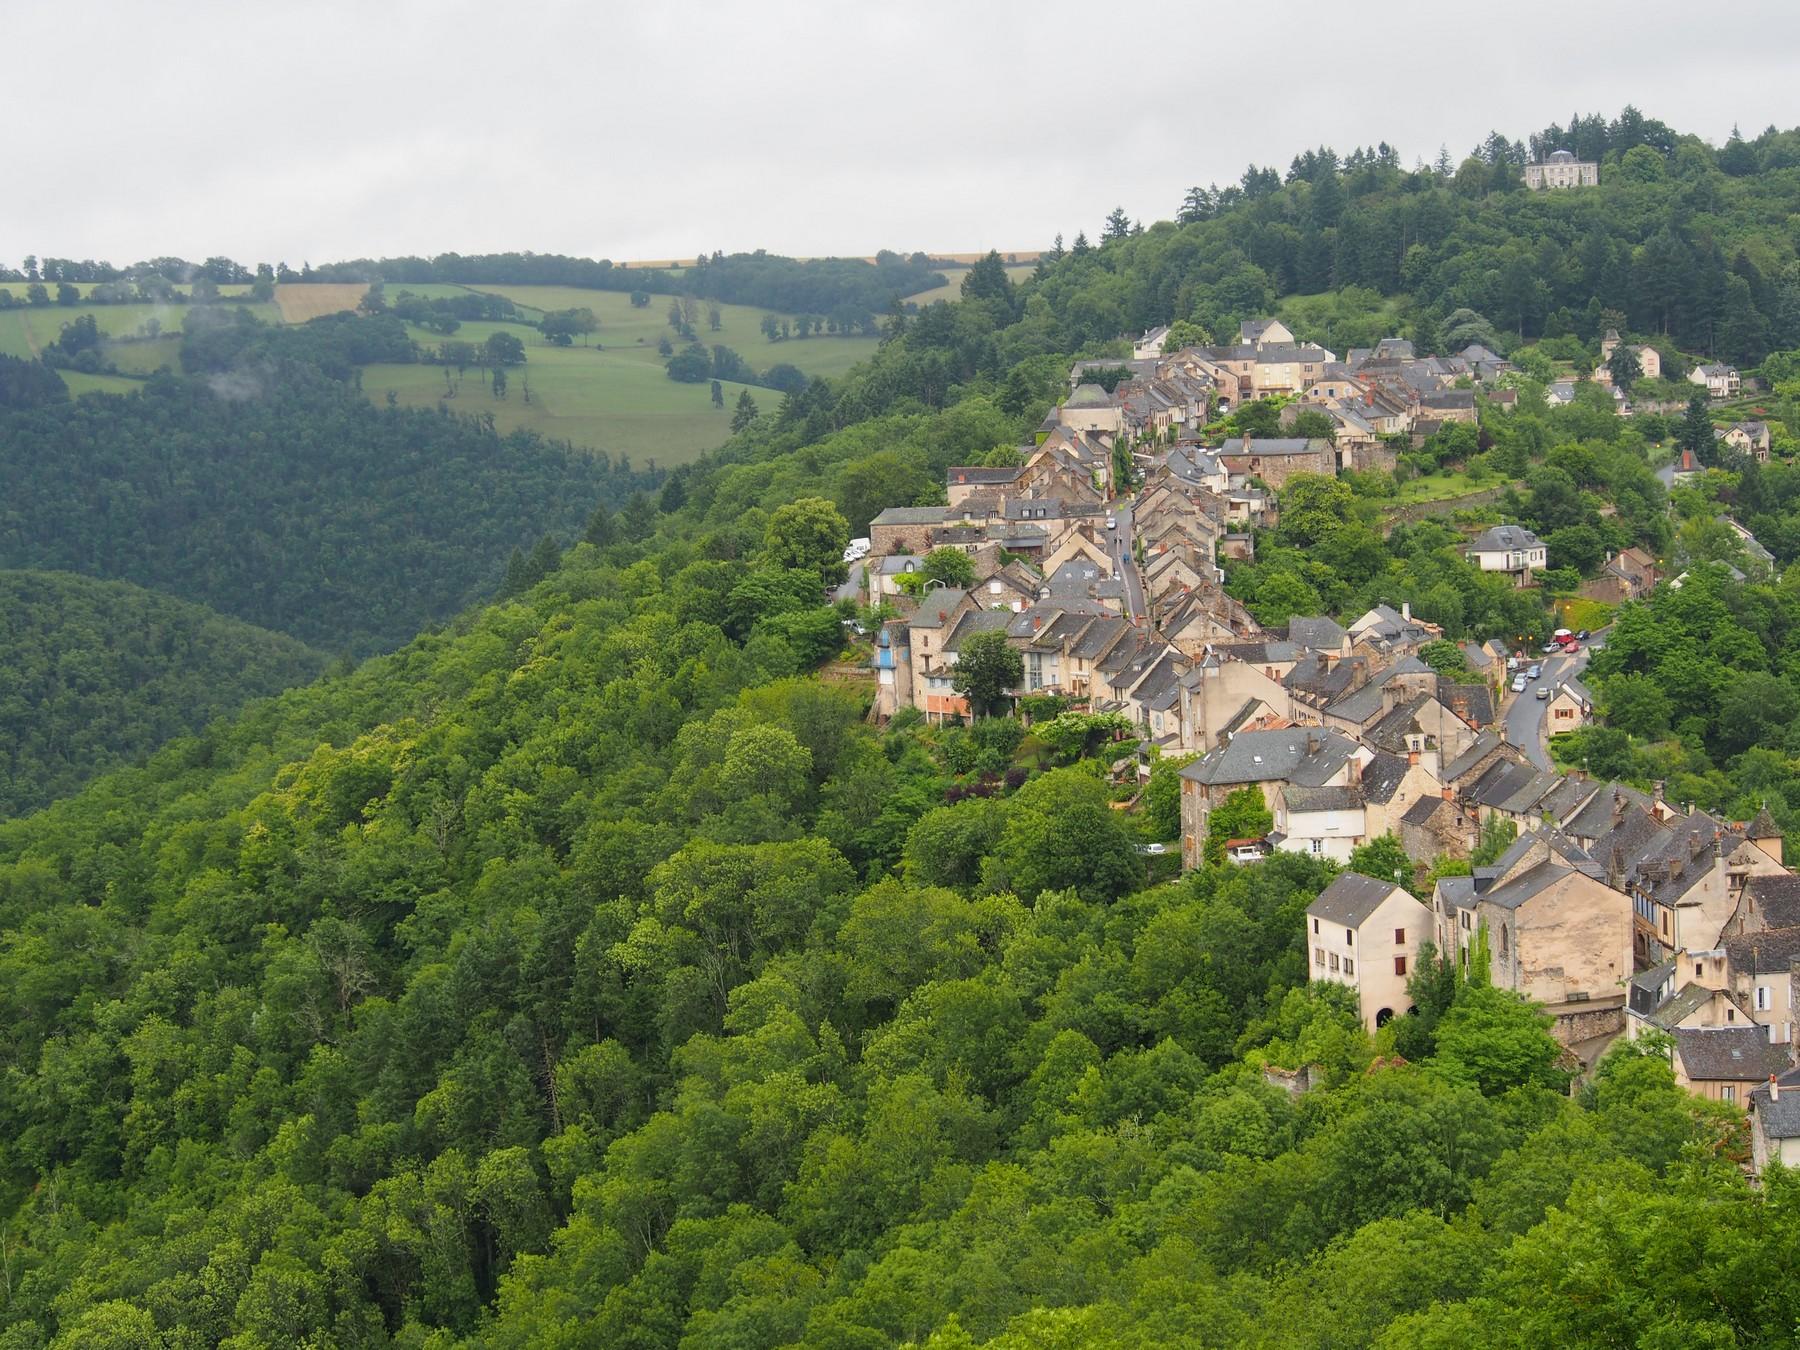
x,y
310,131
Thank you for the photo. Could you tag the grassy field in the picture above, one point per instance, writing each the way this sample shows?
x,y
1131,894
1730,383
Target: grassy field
x,y
611,395
28,330
578,394
80,384
1016,273
614,396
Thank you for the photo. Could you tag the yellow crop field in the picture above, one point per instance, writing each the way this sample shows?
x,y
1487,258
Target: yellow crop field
x,y
300,301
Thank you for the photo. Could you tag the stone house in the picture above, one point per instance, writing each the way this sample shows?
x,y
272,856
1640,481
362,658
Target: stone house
x,y
1570,705
1271,761
1748,438
964,480
1557,933
1774,1110
1560,170
1628,574
1648,358
1726,1063
1364,933
1277,459
905,529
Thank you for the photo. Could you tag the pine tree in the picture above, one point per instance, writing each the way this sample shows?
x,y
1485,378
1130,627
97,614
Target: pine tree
x,y
674,495
745,414
518,577
600,531
1696,431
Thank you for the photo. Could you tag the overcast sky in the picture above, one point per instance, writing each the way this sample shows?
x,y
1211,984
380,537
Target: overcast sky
x,y
286,131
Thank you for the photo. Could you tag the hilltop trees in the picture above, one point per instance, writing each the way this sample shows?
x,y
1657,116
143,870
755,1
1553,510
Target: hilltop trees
x,y
808,535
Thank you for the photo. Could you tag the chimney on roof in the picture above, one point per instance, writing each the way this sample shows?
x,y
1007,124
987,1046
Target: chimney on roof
x,y
1406,610
1246,442
1774,1088
943,616
1037,621
1312,742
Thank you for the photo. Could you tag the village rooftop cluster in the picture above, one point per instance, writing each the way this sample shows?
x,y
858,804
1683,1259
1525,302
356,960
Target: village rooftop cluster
x,y
1618,911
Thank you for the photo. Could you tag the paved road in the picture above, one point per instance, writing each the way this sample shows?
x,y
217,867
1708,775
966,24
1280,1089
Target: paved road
x,y
1119,542
1524,716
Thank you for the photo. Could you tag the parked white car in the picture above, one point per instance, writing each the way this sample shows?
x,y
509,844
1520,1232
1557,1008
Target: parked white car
x,y
1518,684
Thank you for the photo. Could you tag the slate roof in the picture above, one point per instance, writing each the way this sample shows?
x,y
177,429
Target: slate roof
x,y
1302,755
934,609
1457,892
911,515
1778,1117
1532,881
1670,1012
1350,899
1088,396
1421,811
977,621
1503,539
1771,952
1322,798
1382,776
1276,445
1314,676
1484,743
1595,820
1316,633
1475,702
1365,703
980,473
1777,898
1713,1054
1644,992
1763,826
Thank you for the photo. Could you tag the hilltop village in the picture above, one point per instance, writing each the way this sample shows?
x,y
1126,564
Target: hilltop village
x,y
1096,556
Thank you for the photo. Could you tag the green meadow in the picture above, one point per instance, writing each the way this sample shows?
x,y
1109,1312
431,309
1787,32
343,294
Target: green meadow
x,y
609,394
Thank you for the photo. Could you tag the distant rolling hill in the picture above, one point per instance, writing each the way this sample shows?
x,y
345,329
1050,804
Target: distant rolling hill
x,y
94,674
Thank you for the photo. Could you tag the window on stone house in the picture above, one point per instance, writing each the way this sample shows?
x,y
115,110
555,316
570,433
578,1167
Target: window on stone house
x,y
1399,937
1727,1093
1349,966
1318,956
1315,925
1334,962
1349,937
1399,965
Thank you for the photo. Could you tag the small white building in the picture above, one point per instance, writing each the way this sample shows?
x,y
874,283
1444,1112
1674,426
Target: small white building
x,y
1560,169
1509,548
1720,381
1365,934
1323,822
1150,345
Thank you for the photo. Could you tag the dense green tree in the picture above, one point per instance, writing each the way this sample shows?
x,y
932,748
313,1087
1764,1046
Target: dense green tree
x,y
987,669
808,535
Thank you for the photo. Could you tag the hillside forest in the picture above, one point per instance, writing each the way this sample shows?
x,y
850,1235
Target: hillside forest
x,y
578,965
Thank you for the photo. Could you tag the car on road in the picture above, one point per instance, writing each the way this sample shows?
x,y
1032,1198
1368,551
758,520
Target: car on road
x,y
1582,634
1535,673
1518,684
1543,693
1111,524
